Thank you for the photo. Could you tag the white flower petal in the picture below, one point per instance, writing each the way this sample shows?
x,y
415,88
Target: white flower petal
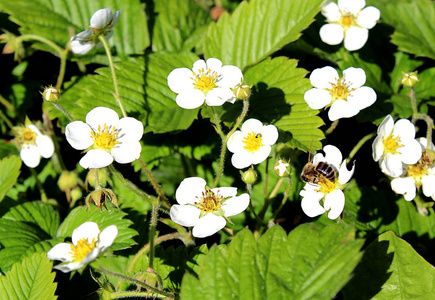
x,y
185,215
199,65
386,127
404,186
392,165
219,95
180,80
241,159
252,125
405,129
214,64
30,156
101,18
333,156
190,99
317,98
88,230
322,77
368,17
231,76
344,174
260,155
269,134
334,203
65,268
428,184
362,98
356,38
356,77
208,225
189,190
235,205
342,109
310,204
78,135
107,236
60,252
235,142
45,145
81,48
378,148
225,191
331,11
331,34
131,129
411,152
352,6
100,116
127,152
95,159
91,256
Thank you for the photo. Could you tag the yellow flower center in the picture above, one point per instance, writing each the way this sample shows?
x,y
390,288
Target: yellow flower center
x,y
327,186
105,138
253,142
82,249
28,136
205,80
417,171
210,202
347,20
391,144
340,89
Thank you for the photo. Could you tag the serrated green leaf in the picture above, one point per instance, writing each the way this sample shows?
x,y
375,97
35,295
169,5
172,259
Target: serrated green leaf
x,y
54,19
103,218
30,279
391,269
178,24
273,268
38,213
258,28
9,172
414,29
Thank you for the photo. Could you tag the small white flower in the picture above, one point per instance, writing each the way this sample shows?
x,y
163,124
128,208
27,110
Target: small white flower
x,y
33,144
105,137
87,244
327,191
421,174
396,145
346,95
349,21
281,168
101,23
205,209
210,82
252,143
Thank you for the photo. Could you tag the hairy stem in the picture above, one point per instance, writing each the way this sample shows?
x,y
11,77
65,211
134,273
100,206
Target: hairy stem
x,y
152,233
359,145
154,182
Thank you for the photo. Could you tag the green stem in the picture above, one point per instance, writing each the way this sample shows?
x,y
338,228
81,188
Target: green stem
x,y
359,145
57,157
152,233
6,120
225,140
44,197
266,179
135,281
130,294
112,69
62,110
417,116
34,37
61,75
154,182
284,199
270,197
7,104
332,127
217,123
251,207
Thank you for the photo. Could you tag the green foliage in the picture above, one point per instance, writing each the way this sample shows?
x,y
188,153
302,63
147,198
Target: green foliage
x,y
272,268
9,172
30,279
388,271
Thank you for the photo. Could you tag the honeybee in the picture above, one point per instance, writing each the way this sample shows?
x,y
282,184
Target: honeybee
x,y
312,173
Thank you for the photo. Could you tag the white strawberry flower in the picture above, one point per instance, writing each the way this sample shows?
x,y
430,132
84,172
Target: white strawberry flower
x,y
349,21
346,96
105,138
101,23
87,244
208,82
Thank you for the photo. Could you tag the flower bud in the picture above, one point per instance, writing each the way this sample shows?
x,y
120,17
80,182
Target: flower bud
x,y
100,196
67,181
409,79
150,277
76,194
282,168
50,94
91,178
249,177
242,90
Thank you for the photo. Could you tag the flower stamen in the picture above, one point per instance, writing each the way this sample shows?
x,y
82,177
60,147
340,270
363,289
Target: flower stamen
x,y
253,142
82,249
347,20
205,80
105,138
391,144
340,89
210,202
326,186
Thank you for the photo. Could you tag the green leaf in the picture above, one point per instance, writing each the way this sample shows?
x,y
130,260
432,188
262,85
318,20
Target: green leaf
x,y
179,25
273,268
30,279
41,214
54,19
257,29
414,29
104,218
9,172
391,269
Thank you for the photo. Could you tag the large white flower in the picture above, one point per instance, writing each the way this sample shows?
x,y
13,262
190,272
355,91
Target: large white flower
x,y
87,244
205,209
101,23
210,82
252,143
346,95
421,174
349,21
327,192
105,137
33,144
395,146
